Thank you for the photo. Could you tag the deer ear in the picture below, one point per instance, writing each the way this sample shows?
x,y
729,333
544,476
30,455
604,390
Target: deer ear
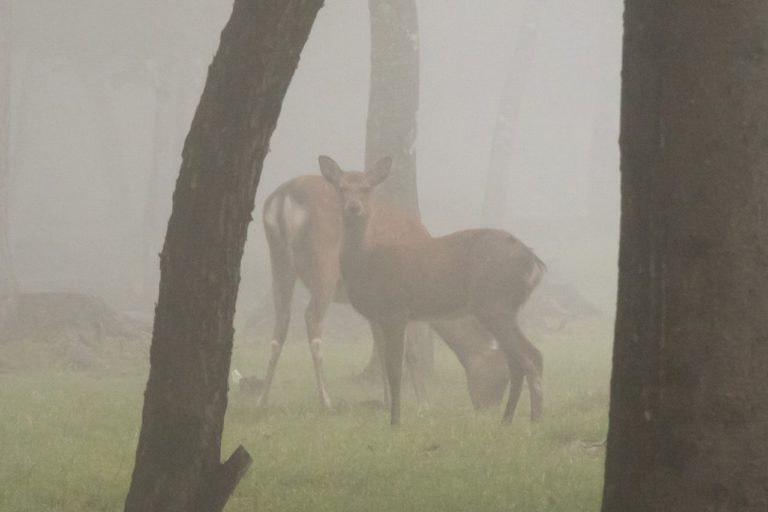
x,y
379,171
329,169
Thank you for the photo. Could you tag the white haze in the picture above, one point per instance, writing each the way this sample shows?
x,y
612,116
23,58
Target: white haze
x,y
86,131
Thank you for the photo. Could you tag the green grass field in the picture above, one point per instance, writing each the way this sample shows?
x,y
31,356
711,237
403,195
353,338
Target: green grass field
x,y
68,438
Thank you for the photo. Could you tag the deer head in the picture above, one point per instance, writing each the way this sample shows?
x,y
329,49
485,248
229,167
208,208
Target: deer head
x,y
354,188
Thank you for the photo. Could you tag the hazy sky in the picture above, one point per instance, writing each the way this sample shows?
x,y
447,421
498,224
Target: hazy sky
x,y
105,92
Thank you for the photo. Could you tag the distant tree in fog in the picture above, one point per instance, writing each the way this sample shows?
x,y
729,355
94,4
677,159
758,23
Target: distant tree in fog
x,y
391,128
113,47
689,392
178,459
172,73
8,285
394,97
507,117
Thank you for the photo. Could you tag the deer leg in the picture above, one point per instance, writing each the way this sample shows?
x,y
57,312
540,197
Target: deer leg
x,y
318,306
394,334
517,350
283,281
411,361
535,388
379,342
516,376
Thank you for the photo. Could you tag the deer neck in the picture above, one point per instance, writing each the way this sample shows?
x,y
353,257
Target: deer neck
x,y
356,245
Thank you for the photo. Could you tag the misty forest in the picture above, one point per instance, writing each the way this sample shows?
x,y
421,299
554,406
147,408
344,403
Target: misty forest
x,y
384,255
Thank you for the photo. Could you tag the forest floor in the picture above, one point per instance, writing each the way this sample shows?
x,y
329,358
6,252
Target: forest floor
x,y
68,437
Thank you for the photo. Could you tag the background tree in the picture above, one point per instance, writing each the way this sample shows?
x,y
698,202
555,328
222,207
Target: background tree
x,y
394,97
689,393
8,286
508,116
178,456
393,105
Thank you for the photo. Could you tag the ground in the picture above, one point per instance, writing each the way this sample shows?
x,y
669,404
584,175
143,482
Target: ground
x,y
68,437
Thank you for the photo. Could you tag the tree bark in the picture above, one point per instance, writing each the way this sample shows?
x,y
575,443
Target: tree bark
x,y
393,106
505,132
689,392
178,464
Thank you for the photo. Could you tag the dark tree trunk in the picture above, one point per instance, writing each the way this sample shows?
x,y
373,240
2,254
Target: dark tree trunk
x,y
689,392
178,463
8,285
393,106
507,117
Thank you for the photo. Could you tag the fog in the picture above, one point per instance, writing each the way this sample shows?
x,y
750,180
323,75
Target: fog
x,y
103,93
517,129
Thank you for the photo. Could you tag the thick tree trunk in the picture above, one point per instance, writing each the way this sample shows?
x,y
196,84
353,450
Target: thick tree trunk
x,y
393,106
507,117
8,285
689,393
178,464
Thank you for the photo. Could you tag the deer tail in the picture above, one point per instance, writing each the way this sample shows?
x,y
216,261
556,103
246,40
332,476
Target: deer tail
x,y
538,269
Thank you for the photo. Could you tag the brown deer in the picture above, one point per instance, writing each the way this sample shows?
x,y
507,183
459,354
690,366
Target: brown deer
x,y
303,224
394,272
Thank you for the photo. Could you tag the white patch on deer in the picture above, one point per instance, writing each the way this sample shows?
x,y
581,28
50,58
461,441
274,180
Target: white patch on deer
x,y
295,216
270,215
236,377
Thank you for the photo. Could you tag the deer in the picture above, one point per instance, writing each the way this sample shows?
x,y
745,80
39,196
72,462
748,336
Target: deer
x,y
303,226
395,273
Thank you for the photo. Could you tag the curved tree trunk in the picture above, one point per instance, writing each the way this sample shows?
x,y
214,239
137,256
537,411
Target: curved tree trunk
x,y
393,106
507,117
178,464
689,392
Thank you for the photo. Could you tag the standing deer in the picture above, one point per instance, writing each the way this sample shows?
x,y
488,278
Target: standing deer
x,y
303,223
395,273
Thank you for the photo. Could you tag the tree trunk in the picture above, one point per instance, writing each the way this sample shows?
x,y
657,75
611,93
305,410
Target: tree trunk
x,y
8,284
505,133
393,102
689,392
178,464
393,106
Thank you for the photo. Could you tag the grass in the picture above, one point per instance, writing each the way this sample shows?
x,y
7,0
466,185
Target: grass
x,y
68,438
